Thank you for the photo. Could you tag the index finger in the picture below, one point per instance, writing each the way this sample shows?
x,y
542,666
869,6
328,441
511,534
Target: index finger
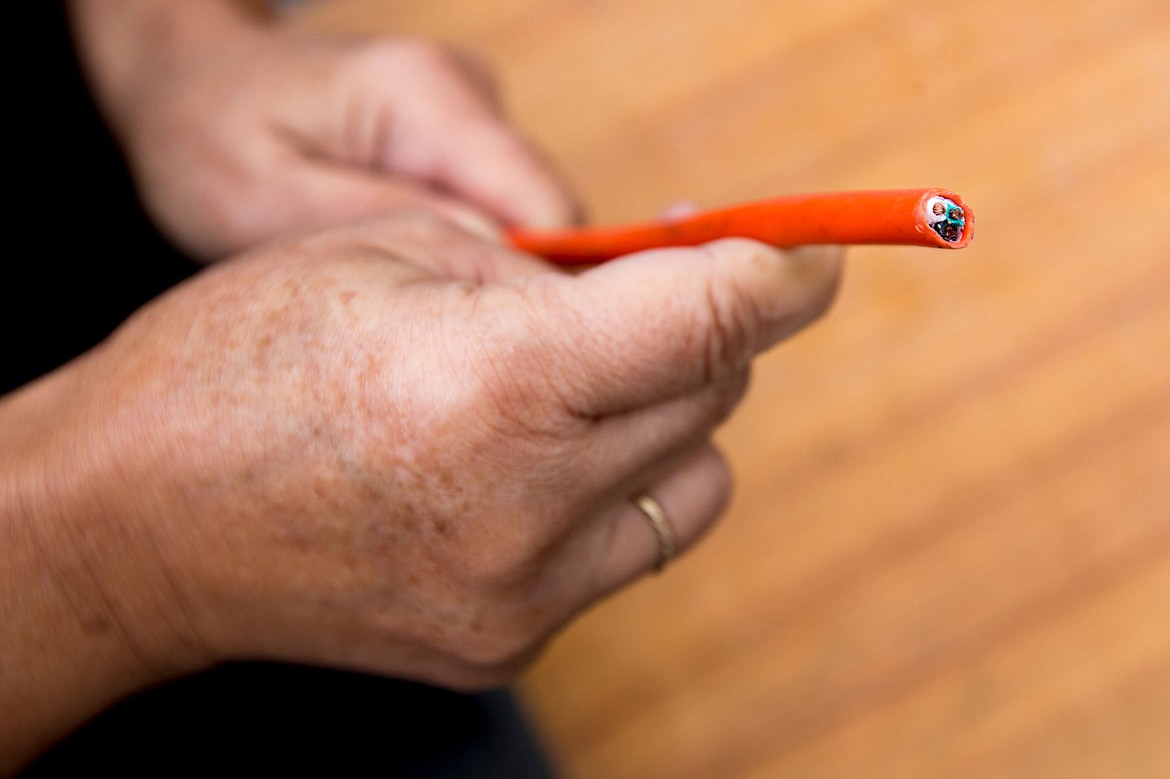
x,y
660,324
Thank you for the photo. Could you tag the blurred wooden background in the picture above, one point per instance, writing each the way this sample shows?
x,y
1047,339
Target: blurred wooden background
x,y
949,554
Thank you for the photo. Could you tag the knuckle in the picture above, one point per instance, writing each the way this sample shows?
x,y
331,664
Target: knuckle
x,y
732,317
713,473
728,393
522,376
724,485
415,63
442,71
718,483
721,476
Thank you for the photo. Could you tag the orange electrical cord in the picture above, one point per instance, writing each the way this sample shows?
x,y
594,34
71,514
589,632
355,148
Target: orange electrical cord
x,y
913,217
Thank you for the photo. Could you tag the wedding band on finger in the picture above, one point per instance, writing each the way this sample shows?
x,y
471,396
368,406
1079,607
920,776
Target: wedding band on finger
x,y
666,546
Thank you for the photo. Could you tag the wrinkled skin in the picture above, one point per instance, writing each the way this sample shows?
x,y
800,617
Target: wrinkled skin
x,y
394,446
408,450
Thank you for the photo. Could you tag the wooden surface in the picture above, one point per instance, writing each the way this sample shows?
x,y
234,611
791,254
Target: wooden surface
x,y
949,554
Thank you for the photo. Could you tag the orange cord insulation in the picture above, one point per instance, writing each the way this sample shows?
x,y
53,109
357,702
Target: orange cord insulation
x,y
865,217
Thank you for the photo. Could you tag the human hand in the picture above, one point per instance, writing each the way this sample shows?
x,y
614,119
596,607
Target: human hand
x,y
399,448
238,131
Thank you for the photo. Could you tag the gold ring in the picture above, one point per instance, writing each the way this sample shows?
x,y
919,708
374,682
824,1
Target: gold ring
x,y
666,547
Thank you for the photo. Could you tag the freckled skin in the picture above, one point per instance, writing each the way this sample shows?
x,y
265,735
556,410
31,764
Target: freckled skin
x,y
393,447
352,450
318,383
429,550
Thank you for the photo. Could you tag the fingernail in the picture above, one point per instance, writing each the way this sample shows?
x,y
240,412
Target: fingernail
x,y
679,209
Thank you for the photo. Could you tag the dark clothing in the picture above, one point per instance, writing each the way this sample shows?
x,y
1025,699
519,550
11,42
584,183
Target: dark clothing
x,y
265,719
95,259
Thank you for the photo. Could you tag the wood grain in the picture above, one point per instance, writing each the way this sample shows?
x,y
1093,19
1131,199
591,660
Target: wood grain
x,y
950,550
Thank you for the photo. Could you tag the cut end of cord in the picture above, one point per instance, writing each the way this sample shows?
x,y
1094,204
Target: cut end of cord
x,y
946,217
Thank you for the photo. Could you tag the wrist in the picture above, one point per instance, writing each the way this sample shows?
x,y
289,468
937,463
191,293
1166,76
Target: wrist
x,y
88,613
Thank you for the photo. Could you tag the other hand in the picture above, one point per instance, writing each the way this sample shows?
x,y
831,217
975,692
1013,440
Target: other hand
x,y
238,131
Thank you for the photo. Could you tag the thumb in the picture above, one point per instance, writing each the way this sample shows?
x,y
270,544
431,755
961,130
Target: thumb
x,y
660,324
